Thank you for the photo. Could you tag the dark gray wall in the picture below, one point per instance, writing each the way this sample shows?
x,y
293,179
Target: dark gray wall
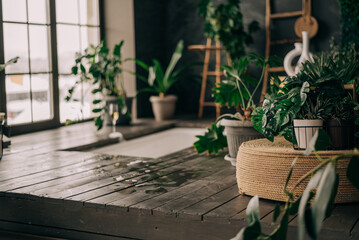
x,y
160,24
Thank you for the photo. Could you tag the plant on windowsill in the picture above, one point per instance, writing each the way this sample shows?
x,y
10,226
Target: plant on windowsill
x,y
104,72
325,77
238,91
160,81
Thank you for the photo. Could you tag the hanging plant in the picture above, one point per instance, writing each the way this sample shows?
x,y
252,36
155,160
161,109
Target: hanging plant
x,y
349,23
224,23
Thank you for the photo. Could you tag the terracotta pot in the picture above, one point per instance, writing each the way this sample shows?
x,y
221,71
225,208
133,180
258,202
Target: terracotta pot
x,y
238,132
163,107
304,130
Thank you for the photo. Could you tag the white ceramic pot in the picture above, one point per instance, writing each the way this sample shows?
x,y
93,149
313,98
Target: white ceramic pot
x,y
304,130
163,107
238,132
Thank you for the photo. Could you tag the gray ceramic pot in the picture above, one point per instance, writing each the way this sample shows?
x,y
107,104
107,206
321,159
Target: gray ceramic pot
x,y
238,132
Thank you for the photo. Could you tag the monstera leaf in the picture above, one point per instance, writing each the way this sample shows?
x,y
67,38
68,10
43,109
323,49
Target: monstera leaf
x,y
212,141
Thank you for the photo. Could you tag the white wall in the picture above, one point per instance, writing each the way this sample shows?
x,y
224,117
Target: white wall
x,y
120,24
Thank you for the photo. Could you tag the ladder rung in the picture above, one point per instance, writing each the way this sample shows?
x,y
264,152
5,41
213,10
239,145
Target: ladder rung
x,y
349,86
204,47
285,41
213,73
286,14
276,69
209,104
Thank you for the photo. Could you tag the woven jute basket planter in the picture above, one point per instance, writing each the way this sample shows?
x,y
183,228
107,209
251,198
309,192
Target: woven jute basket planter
x,y
263,166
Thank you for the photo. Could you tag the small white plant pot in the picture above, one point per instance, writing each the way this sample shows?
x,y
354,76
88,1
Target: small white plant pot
x,y
304,130
163,107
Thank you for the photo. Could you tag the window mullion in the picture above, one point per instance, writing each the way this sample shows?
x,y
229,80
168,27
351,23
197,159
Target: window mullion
x,y
54,63
2,59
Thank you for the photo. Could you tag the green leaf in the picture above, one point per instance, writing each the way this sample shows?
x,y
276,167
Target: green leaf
x,y
96,101
319,141
97,110
353,170
212,141
276,212
313,183
281,233
174,59
99,122
96,90
252,211
289,175
74,70
323,197
83,69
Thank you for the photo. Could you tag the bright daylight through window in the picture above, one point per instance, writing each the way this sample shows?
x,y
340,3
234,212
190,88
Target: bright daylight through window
x,y
31,32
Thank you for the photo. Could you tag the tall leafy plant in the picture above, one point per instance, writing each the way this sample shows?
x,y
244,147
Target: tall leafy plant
x,y
103,71
224,22
238,90
159,81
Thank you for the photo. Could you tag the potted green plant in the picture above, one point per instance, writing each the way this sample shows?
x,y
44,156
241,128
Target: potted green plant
x,y
317,87
238,90
104,71
224,23
160,81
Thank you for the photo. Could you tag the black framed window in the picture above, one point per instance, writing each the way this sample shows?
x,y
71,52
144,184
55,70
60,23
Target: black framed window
x,y
45,34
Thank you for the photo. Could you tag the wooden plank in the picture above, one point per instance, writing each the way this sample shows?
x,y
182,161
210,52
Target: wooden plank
x,y
150,204
215,201
187,200
204,168
343,218
286,14
42,163
228,210
52,173
107,187
87,191
285,41
60,183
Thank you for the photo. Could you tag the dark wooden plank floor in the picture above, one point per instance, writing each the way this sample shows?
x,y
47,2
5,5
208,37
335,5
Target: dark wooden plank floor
x,y
81,195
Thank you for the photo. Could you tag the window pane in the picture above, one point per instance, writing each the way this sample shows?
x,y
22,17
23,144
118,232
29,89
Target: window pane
x,y
41,95
89,35
14,10
18,99
67,11
89,12
38,12
68,43
16,44
39,50
69,110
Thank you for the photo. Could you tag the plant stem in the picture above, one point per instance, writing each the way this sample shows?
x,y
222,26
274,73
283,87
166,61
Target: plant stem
x,y
245,87
256,88
239,90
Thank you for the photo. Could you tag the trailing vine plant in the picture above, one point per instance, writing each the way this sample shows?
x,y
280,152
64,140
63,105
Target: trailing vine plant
x,y
224,23
313,205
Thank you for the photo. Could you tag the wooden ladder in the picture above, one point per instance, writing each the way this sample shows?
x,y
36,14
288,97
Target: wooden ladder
x,y
269,43
205,73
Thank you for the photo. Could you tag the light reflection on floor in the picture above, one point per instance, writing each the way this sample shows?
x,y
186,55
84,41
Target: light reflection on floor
x,y
155,145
